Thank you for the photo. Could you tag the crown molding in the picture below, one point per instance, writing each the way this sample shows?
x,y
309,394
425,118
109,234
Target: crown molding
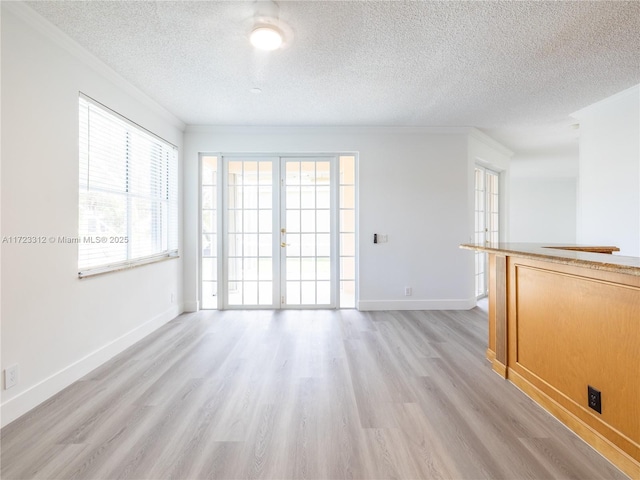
x,y
61,39
490,142
348,129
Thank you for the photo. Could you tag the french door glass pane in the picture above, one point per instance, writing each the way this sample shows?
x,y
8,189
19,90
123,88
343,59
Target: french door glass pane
x,y
209,228
347,205
250,232
307,236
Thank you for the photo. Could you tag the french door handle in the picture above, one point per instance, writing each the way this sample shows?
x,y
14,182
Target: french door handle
x,y
282,244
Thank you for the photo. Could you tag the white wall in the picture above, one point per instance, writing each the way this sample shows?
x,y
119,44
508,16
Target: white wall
x,y
609,182
485,151
543,210
55,326
543,196
413,187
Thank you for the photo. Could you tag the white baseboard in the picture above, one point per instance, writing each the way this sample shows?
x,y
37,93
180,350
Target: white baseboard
x,y
454,304
35,395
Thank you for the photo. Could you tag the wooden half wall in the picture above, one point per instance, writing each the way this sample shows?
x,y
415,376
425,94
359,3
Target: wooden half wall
x,y
555,330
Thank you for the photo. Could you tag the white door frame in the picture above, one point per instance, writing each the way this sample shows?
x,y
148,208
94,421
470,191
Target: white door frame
x,y
278,191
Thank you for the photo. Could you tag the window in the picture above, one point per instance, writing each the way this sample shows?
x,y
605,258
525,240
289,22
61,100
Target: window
x,y
128,196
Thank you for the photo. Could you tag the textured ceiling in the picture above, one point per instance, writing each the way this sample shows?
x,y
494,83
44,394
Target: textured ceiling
x,y
515,69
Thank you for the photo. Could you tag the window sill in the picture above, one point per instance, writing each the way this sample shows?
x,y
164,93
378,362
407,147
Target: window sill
x,y
139,262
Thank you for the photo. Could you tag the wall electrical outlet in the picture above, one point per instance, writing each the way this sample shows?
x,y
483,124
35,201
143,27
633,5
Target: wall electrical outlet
x,y
11,376
595,399
408,291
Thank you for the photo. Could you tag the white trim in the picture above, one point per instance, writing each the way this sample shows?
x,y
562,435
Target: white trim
x,y
42,391
490,142
255,155
453,304
357,239
128,121
256,129
49,30
127,264
199,239
334,251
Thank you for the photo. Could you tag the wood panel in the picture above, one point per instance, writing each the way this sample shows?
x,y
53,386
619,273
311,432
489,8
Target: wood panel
x,y
501,309
491,346
570,327
497,345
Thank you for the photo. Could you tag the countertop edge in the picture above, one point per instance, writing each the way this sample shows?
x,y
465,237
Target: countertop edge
x,y
552,253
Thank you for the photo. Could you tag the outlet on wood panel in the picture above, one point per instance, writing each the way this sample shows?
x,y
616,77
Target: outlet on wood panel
x,y
595,399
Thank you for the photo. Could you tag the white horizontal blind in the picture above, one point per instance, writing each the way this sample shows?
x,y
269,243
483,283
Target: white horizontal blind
x,y
128,193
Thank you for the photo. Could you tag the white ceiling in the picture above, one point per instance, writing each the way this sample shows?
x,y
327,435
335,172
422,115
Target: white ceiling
x,y
515,69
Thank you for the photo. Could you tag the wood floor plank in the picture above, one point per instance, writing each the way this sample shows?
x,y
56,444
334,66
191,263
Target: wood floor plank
x,y
474,459
489,429
344,451
434,460
572,464
370,389
112,442
66,404
299,395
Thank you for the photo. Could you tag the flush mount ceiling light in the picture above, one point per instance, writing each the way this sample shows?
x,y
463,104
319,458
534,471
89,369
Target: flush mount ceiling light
x,y
266,30
266,37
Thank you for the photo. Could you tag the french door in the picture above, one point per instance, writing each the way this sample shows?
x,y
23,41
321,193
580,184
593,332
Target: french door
x,y
250,207
307,221
487,221
278,242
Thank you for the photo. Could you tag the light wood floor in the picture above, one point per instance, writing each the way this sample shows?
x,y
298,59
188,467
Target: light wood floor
x,y
296,395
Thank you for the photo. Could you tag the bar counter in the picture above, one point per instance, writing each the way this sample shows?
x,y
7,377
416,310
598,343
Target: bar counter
x,y
581,255
563,318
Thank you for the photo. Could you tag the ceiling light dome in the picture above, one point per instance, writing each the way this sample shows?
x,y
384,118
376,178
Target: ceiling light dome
x,y
266,37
